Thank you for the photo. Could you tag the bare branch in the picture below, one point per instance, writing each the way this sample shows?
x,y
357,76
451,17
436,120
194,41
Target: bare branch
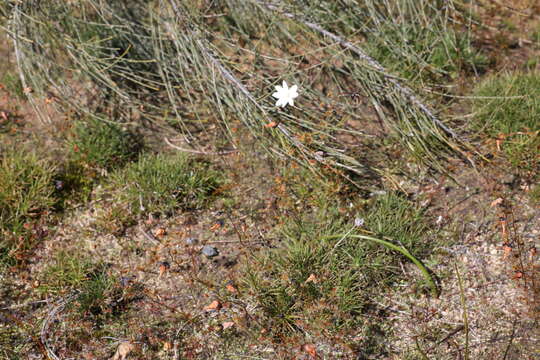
x,y
404,90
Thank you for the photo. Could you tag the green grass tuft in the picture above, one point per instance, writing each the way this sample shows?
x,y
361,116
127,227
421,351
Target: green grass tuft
x,y
74,184
326,281
13,85
74,273
163,183
67,272
26,192
103,145
511,112
412,50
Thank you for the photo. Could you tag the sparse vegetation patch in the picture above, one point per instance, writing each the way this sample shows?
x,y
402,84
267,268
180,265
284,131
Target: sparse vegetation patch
x,y
509,111
317,281
103,145
162,183
282,179
26,193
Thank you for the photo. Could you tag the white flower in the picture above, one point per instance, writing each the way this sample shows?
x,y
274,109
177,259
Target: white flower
x,y
285,94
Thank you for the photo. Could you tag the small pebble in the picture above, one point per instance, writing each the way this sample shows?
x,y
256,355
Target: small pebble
x,y
191,241
210,251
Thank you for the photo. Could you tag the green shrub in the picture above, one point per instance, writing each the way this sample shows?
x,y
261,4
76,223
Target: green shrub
x,y
103,145
511,111
326,280
162,183
26,188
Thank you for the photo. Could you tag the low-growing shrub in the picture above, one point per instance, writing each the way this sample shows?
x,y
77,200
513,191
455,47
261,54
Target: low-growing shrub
x,y
163,183
103,145
323,276
26,193
508,110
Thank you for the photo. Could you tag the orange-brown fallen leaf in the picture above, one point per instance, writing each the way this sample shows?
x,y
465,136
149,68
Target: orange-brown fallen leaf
x,y
123,350
160,232
231,288
227,324
272,124
213,306
312,279
310,349
507,251
163,268
215,227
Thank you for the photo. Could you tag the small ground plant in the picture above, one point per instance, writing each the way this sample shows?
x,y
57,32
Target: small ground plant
x,y
103,145
26,192
317,281
94,148
13,85
509,112
70,273
162,183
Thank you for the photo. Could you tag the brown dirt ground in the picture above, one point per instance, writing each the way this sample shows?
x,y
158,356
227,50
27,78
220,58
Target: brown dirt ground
x,y
492,253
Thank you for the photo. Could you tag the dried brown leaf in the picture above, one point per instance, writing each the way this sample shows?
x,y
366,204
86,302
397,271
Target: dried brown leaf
x,y
310,349
123,350
213,306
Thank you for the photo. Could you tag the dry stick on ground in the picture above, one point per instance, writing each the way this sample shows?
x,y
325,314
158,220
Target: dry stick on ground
x,y
150,237
50,317
198,152
406,91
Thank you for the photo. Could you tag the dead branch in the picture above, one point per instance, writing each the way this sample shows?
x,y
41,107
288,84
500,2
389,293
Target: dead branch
x,y
404,90
199,152
50,317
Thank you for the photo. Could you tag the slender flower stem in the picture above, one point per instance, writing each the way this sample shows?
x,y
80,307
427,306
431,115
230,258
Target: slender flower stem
x,y
434,289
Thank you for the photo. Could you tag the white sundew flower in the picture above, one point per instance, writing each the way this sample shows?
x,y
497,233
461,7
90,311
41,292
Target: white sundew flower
x,y
285,95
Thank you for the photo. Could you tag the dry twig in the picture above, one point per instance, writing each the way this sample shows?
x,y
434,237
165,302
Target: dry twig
x,y
50,317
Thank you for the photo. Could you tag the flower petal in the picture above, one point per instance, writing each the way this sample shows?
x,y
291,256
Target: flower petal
x,y
277,94
293,89
285,86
